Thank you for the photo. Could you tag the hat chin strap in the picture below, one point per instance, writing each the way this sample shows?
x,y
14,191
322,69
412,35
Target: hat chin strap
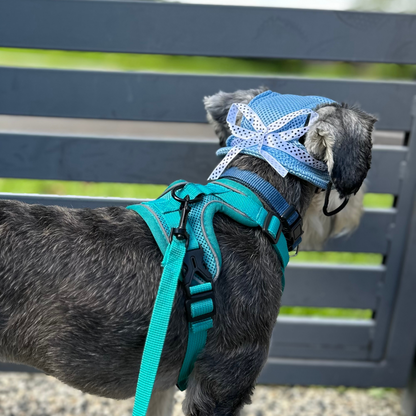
x,y
336,210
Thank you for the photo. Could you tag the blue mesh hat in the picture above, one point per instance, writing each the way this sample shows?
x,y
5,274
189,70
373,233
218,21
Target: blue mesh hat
x,y
271,107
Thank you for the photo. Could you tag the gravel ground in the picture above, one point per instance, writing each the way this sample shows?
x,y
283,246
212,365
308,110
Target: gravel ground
x,y
24,394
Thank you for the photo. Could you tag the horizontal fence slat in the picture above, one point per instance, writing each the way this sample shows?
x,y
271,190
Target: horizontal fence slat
x,y
178,98
370,237
332,373
143,161
321,338
332,286
329,352
105,160
125,26
386,168
17,368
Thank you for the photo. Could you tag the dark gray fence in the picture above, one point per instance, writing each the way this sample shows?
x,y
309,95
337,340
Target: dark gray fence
x,y
377,352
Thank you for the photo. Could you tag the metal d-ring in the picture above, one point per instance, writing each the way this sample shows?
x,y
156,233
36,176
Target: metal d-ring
x,y
186,200
180,231
336,210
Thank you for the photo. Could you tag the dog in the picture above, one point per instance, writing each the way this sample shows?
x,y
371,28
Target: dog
x,y
77,286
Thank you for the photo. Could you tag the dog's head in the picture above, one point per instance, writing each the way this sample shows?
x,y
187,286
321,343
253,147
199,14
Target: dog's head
x,y
341,137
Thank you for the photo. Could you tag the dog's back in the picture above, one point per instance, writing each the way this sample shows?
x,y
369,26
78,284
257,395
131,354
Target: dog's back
x,y
76,293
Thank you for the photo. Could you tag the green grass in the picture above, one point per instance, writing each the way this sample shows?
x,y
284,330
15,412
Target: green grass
x,y
378,200
337,258
120,190
326,312
33,58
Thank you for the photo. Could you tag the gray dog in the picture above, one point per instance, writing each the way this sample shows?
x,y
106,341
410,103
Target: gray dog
x,y
77,286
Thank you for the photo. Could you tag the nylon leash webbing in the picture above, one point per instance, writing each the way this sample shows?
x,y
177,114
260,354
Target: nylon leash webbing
x,y
172,263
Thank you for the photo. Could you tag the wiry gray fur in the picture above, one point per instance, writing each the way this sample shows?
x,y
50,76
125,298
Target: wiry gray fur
x,y
217,107
77,287
342,138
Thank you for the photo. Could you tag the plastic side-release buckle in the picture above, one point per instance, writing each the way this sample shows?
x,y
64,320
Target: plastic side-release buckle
x,y
293,231
265,228
194,269
200,298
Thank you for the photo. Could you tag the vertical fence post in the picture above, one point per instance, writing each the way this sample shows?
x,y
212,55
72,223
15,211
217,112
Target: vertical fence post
x,y
399,255
409,395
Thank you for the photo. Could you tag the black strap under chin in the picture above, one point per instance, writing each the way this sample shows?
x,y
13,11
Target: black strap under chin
x,y
335,211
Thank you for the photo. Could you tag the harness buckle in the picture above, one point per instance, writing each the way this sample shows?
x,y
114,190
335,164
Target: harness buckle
x,y
198,298
195,268
292,231
180,233
265,228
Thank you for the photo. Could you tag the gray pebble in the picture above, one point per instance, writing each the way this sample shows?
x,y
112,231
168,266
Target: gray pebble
x,y
24,394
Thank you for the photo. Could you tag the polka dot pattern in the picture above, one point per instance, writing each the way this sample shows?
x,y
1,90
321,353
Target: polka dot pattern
x,y
251,117
260,135
271,106
298,153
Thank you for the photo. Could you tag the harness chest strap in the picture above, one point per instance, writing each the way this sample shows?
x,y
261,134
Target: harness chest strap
x,y
243,207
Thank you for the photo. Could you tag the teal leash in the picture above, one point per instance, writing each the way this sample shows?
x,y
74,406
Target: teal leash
x,y
199,309
156,335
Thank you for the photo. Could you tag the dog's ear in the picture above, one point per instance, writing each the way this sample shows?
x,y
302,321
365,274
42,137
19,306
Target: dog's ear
x,y
218,105
342,138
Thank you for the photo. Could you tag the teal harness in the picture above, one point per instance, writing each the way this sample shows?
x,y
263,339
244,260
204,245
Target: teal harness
x,y
181,221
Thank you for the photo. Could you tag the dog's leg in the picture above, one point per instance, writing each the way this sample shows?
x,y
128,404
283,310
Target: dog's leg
x,y
247,298
161,402
223,383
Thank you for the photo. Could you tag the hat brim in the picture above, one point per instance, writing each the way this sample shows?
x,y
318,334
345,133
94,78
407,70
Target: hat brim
x,y
317,177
